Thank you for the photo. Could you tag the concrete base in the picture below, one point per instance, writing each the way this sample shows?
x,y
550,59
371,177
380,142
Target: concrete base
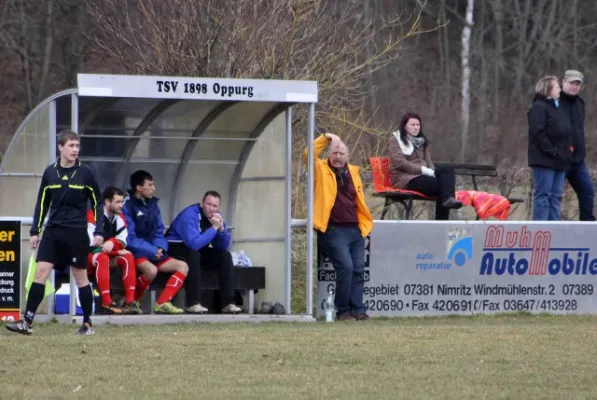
x,y
172,319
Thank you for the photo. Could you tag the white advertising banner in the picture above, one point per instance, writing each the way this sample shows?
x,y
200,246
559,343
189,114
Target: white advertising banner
x,y
425,268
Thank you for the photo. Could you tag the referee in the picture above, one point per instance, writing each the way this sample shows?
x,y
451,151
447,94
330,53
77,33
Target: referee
x,y
66,187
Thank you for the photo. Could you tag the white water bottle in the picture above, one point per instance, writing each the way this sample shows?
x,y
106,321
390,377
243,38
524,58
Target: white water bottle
x,y
329,309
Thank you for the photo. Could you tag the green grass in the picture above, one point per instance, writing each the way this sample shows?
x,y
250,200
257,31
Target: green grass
x,y
505,357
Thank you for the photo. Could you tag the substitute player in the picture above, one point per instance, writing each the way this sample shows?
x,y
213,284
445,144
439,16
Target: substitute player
x,y
147,243
112,253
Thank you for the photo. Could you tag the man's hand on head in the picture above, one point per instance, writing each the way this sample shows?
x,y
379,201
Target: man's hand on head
x,y
335,140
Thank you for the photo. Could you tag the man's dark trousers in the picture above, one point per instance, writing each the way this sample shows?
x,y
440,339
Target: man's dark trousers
x,y
579,178
345,247
206,258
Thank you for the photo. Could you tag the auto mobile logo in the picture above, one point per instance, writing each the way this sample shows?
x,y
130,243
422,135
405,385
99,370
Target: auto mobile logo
x,y
504,252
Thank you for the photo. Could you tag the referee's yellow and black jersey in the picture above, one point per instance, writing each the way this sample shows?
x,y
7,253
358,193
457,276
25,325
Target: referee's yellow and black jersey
x,y
65,194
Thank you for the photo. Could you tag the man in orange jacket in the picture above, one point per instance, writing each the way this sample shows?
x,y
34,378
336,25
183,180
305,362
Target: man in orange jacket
x,y
342,220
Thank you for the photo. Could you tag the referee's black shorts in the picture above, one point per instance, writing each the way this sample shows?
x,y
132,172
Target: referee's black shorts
x,y
64,246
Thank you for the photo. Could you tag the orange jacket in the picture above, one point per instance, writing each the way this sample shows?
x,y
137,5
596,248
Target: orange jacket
x,y
326,189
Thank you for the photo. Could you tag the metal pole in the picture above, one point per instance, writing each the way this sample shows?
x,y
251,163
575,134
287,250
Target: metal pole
x,y
288,187
52,157
74,126
311,160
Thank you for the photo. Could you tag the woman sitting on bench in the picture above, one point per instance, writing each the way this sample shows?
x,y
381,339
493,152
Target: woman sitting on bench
x,y
411,167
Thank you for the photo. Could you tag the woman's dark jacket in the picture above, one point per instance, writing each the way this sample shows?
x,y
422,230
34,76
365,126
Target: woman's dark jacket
x,y
550,135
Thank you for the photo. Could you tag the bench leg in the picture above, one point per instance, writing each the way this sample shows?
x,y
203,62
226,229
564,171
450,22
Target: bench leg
x,y
386,207
252,301
408,205
474,183
153,300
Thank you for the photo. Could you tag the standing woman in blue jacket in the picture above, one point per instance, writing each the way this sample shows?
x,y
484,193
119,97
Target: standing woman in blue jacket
x,y
550,149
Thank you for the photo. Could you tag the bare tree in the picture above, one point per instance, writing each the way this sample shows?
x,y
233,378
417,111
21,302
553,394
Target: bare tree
x,y
299,39
360,53
39,34
466,78
28,33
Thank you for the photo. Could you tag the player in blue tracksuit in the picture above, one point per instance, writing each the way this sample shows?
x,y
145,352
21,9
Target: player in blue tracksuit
x,y
199,234
147,242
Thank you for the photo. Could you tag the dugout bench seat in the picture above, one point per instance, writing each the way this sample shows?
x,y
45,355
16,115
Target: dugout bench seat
x,y
250,279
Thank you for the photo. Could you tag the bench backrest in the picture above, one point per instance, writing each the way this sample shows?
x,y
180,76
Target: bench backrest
x,y
380,170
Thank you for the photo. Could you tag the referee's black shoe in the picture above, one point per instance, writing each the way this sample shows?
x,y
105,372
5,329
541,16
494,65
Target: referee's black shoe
x,y
21,327
85,329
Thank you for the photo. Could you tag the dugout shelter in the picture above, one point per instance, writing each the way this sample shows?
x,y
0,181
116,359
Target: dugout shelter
x,y
192,135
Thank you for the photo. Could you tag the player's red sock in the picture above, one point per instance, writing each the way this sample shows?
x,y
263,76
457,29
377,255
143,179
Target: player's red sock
x,y
129,275
142,285
172,287
101,262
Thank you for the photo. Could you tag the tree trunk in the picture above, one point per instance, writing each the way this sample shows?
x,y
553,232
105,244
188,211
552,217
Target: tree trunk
x,y
47,55
24,55
575,22
498,15
481,107
446,50
466,78
368,16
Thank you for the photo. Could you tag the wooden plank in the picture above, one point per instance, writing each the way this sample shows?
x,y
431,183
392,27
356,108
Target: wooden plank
x,y
470,169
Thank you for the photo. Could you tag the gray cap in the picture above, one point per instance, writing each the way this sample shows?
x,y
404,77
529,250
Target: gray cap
x,y
572,75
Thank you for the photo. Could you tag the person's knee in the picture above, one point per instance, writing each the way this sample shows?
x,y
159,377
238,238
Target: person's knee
x,y
193,259
345,267
123,261
541,194
80,276
43,271
227,259
587,188
340,257
182,267
129,259
358,267
150,271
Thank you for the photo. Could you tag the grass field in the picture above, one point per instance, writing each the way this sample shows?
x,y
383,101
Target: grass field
x,y
505,357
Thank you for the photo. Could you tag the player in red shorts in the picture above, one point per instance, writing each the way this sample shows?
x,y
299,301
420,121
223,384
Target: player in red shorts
x,y
111,254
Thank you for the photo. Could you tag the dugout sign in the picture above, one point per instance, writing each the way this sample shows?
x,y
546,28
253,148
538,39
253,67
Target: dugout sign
x,y
425,268
10,270
190,88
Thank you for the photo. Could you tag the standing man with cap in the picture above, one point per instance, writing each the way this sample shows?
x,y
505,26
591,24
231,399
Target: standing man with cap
x,y
342,220
573,106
